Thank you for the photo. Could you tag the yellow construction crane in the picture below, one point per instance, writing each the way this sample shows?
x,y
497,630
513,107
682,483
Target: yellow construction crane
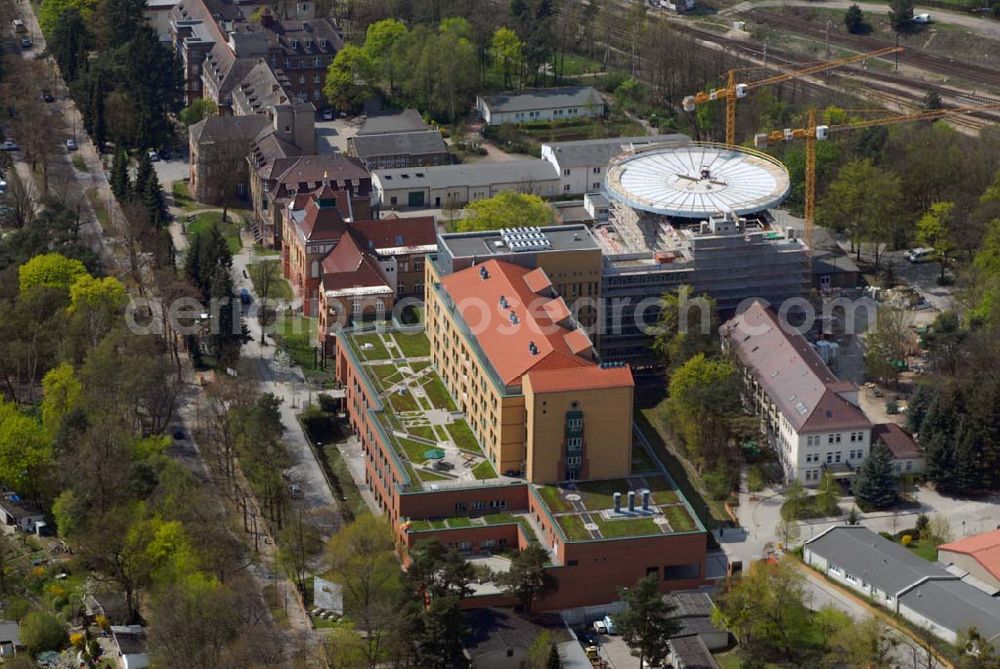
x,y
734,91
813,133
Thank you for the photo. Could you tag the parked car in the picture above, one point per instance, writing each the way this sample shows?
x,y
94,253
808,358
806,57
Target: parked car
x,y
588,638
327,114
922,18
245,296
47,96
919,255
294,491
71,144
8,145
609,625
600,627
153,155
26,43
3,186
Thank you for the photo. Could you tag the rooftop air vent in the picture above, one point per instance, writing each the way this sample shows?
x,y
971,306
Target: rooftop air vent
x,y
503,302
483,273
532,348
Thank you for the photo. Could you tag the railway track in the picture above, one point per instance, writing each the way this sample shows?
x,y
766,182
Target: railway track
x,y
921,59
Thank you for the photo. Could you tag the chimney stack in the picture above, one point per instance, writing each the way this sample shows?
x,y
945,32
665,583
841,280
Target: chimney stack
x,y
631,501
645,500
618,502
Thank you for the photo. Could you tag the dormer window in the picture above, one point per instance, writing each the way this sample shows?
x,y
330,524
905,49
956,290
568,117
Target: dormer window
x,y
309,44
295,44
323,43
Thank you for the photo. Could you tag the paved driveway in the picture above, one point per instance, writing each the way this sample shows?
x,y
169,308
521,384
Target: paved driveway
x,y
331,136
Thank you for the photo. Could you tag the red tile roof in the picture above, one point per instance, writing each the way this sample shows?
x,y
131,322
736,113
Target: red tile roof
x,y
537,280
899,442
984,549
348,266
324,223
393,233
527,341
587,378
794,376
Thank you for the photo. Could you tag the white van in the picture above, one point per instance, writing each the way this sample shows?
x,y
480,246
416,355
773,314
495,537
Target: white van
x,y
919,255
18,26
922,18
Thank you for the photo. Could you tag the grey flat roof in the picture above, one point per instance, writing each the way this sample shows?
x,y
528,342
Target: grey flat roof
x,y
587,152
955,605
884,564
690,604
697,625
10,631
396,143
480,244
544,98
408,120
693,652
472,175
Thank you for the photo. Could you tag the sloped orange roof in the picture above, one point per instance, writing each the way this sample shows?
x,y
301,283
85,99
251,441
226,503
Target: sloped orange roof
x,y
537,280
589,378
983,548
578,341
520,336
556,310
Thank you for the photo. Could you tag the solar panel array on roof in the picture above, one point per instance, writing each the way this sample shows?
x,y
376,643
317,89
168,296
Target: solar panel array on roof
x,y
525,239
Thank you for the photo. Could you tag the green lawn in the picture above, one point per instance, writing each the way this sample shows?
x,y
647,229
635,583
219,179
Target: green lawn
x,y
484,470
925,549
627,528
573,528
663,491
438,395
414,450
279,289
294,334
463,437
385,375
679,518
598,495
414,345
426,475
424,431
403,401
553,498
182,197
459,521
377,350
206,220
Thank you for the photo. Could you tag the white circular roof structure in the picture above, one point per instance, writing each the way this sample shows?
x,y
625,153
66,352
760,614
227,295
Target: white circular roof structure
x,y
696,180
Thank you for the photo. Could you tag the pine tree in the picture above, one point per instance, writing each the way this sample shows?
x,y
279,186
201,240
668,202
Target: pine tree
x,y
100,126
143,172
152,200
120,184
965,476
875,483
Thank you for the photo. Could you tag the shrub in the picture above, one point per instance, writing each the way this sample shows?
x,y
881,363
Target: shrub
x,y
17,608
755,479
43,631
906,540
77,639
718,483
327,403
316,423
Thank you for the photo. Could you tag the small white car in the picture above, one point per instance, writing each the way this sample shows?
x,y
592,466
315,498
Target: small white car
x,y
919,255
600,627
922,18
8,145
153,156
71,144
609,625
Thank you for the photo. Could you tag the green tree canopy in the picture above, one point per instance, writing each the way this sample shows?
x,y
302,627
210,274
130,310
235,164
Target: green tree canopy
x,y
380,41
647,622
349,78
875,484
61,392
507,53
934,230
506,210
50,269
528,579
197,110
43,631
25,450
703,395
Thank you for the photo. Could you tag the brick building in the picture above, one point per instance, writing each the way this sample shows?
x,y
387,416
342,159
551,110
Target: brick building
x,y
523,395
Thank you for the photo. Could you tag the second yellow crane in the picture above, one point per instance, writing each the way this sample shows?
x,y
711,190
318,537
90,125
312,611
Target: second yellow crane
x,y
736,91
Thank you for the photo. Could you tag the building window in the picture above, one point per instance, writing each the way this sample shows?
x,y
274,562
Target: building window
x,y
314,272
566,172
829,458
566,188
574,443
597,170
573,460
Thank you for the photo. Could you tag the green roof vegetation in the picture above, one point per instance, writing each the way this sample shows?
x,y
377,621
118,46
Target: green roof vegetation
x,y
573,528
377,350
484,470
632,527
463,437
679,518
413,345
438,395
